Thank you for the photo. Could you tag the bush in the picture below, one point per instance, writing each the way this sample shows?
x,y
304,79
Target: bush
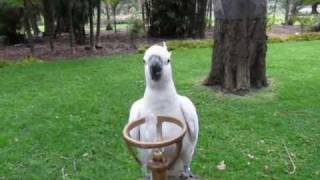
x,y
304,21
305,37
316,23
136,28
10,22
276,40
32,60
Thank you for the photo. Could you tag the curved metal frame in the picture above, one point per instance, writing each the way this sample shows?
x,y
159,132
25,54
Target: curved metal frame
x,y
152,145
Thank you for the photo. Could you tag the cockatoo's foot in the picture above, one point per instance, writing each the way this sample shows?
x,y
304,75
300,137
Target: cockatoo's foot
x,y
148,177
186,172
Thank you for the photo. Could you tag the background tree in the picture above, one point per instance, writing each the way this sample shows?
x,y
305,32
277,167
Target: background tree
x,y
49,20
98,24
114,4
10,24
70,5
91,9
314,5
238,61
107,6
27,14
168,18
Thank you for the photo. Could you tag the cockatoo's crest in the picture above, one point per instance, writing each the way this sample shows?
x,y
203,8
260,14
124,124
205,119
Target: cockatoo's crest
x,y
165,45
157,50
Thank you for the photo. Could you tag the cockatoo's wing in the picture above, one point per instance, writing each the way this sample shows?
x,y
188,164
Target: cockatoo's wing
x,y
191,117
135,114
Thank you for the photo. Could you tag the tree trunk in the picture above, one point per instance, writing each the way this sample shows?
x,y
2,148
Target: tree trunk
x,y
49,26
200,18
287,10
293,13
210,13
34,24
92,45
315,8
27,26
71,29
274,11
114,8
109,27
238,60
98,24
142,3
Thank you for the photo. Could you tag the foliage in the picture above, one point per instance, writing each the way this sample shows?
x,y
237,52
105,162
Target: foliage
x,y
28,61
303,21
176,18
10,21
305,37
136,28
66,117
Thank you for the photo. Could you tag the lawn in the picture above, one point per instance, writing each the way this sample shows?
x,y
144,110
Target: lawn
x,y
66,117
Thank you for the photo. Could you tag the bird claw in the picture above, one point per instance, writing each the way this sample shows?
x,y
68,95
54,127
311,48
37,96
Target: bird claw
x,y
186,174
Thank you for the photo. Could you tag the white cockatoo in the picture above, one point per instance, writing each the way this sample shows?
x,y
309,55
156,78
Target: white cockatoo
x,y
161,99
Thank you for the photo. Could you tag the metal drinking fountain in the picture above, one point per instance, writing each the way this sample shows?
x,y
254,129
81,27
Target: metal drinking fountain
x,y
158,163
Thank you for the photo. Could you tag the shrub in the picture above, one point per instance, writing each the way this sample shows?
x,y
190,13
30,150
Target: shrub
x,y
136,28
303,21
305,37
10,22
32,60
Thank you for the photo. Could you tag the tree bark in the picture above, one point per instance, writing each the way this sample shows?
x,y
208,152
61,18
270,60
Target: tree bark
x,y
142,3
34,24
92,45
239,52
114,10
274,11
27,26
293,13
49,21
98,24
287,10
315,8
109,27
210,13
200,18
71,29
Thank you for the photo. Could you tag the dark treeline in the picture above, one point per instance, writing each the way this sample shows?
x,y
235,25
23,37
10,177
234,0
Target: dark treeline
x,y
159,18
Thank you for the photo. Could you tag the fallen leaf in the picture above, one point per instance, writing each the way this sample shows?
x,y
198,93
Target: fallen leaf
x,y
251,156
85,154
221,166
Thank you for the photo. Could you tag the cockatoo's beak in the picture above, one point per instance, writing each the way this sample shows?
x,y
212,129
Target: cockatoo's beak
x,y
155,68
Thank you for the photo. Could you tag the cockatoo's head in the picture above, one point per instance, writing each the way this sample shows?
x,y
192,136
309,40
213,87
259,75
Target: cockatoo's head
x,y
157,65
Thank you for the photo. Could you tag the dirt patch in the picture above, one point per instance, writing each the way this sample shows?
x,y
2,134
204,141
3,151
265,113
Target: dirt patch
x,y
111,43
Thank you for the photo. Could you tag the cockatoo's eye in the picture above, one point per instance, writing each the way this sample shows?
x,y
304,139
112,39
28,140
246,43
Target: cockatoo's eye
x,y
168,60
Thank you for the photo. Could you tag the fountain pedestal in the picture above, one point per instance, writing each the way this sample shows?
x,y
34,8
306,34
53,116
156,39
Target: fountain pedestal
x,y
158,164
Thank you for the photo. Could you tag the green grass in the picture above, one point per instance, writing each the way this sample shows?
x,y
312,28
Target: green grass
x,y
68,116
